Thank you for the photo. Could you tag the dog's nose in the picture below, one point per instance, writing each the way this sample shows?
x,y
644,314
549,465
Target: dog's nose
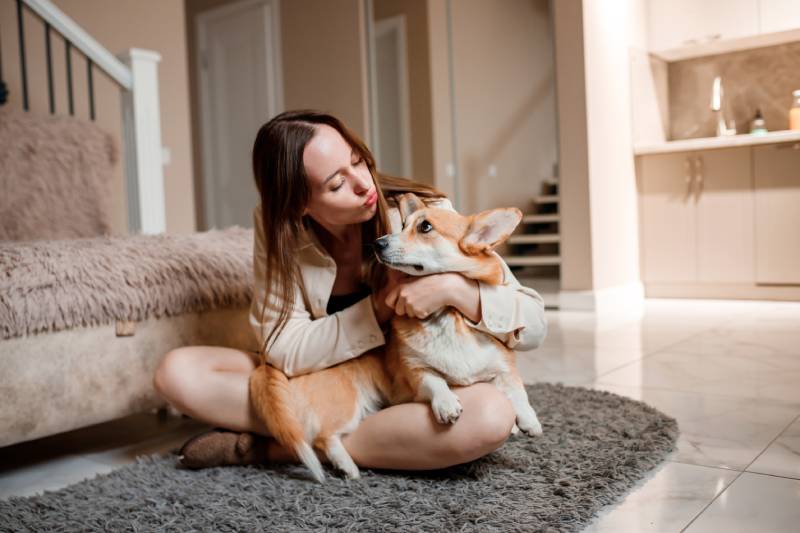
x,y
380,244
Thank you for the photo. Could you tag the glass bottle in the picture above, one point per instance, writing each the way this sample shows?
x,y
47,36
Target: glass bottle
x,y
794,113
758,126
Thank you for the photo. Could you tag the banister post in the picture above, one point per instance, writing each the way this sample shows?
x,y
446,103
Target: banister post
x,y
141,123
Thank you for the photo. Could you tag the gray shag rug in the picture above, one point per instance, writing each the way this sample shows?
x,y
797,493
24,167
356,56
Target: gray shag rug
x,y
595,447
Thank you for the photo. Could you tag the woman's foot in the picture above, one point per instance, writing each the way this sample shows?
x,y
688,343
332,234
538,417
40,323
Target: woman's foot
x,y
222,447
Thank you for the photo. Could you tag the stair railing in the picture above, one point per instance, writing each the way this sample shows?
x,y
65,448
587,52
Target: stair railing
x,y
135,71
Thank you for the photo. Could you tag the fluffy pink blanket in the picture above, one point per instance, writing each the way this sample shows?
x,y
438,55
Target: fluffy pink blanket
x,y
61,284
55,177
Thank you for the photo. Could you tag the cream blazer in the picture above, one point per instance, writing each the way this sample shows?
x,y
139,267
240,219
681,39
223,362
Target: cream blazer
x,y
312,340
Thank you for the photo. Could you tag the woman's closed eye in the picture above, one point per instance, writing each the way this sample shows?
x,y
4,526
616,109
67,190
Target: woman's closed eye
x,y
341,183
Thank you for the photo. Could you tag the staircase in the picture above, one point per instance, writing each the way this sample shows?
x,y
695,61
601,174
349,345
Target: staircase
x,y
135,73
536,245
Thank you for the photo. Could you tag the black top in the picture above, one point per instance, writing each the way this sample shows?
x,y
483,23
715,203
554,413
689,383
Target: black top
x,y
337,302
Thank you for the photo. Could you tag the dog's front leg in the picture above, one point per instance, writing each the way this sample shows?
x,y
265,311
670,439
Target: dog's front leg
x,y
444,402
513,387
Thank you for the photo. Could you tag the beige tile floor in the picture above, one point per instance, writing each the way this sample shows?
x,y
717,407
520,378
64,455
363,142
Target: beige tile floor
x,y
729,371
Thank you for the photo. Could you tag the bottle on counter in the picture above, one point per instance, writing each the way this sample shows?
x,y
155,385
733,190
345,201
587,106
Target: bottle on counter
x,y
794,113
758,126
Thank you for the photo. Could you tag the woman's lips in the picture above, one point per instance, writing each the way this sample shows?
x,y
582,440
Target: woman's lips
x,y
371,199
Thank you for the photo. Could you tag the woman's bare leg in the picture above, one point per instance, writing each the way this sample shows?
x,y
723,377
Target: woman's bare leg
x,y
211,384
408,437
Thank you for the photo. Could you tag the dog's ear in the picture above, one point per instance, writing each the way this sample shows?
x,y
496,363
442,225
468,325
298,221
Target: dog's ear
x,y
489,228
408,203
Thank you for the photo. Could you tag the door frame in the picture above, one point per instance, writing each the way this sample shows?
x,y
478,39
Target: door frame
x,y
274,65
396,24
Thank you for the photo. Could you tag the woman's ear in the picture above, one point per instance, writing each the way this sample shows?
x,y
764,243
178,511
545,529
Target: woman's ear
x,y
489,228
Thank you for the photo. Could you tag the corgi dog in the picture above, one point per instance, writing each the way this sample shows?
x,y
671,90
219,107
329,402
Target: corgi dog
x,y
421,357
442,349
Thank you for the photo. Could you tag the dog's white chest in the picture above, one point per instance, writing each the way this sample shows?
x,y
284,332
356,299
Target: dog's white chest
x,y
462,358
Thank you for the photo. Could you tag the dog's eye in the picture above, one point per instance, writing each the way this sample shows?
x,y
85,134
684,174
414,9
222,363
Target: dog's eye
x,y
424,226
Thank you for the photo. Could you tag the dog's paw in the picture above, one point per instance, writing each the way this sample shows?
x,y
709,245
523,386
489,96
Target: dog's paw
x,y
351,472
446,409
530,426
515,429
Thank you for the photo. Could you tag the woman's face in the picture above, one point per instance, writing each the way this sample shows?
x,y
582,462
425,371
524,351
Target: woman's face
x,y
342,189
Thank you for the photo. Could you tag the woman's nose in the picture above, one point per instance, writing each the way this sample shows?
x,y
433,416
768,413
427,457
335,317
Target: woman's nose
x,y
362,184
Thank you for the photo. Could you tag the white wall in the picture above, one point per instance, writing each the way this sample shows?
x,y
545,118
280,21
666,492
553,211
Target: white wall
x,y
596,123
610,28
505,101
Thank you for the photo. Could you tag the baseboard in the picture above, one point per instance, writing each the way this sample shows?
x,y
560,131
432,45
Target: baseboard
x,y
725,291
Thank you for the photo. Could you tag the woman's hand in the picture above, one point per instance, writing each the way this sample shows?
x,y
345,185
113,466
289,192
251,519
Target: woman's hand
x,y
421,296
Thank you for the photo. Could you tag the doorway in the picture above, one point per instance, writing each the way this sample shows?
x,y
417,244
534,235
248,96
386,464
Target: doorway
x,y
393,135
240,86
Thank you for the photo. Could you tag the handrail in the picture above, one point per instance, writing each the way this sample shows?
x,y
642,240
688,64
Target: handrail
x,y
81,40
136,72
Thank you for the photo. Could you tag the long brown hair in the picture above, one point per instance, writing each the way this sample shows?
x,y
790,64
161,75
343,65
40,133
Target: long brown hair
x,y
283,187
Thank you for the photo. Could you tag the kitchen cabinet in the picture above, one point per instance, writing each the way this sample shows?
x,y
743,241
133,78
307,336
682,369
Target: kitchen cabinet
x,y
697,217
779,15
681,29
723,181
678,23
777,213
668,218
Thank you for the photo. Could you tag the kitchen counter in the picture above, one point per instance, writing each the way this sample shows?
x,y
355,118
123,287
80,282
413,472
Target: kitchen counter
x,y
710,143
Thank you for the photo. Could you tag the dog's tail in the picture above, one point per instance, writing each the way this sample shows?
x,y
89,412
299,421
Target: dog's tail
x,y
269,391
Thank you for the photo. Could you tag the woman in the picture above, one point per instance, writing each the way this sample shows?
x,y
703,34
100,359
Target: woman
x,y
322,205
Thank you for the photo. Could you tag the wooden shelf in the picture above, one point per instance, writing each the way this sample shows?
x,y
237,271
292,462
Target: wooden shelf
x,y
540,219
546,199
532,260
534,238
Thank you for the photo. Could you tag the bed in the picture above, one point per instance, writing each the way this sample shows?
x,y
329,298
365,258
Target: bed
x,y
86,315
85,321
85,318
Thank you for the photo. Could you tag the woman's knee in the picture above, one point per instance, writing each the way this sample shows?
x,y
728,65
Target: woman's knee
x,y
491,418
174,372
